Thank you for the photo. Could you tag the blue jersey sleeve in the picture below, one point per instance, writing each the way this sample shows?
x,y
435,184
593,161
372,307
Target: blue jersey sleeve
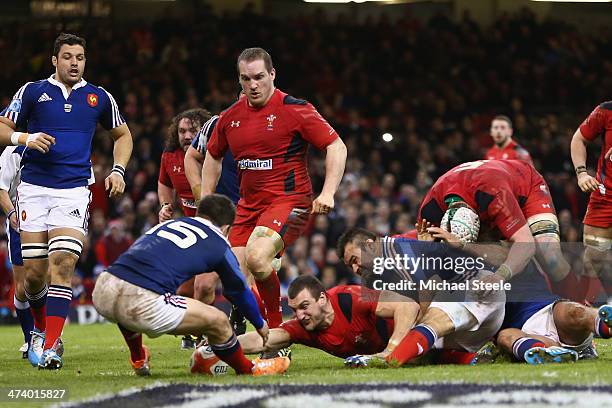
x,y
196,141
236,289
110,117
20,107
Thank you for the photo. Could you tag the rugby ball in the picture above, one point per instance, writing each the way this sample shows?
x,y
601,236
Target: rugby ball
x,y
461,220
204,361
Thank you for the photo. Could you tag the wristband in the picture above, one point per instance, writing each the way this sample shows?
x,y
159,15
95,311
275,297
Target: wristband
x,y
13,211
580,169
165,204
504,271
15,138
119,169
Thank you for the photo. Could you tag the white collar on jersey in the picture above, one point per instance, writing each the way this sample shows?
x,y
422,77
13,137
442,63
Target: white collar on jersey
x,y
61,86
211,226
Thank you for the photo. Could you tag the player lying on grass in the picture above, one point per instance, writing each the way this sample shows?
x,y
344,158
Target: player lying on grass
x,y
138,291
540,327
459,321
342,321
553,332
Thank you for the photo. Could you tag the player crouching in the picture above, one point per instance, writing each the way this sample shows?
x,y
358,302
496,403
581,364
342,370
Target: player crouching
x,y
138,290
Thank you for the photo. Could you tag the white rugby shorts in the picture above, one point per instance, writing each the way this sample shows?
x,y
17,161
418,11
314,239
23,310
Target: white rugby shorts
x,y
475,321
43,208
137,309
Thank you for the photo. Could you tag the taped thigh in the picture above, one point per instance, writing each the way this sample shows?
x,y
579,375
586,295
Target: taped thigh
x,y
66,243
600,244
544,225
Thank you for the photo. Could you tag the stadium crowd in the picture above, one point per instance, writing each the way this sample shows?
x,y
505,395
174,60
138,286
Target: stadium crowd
x,y
433,85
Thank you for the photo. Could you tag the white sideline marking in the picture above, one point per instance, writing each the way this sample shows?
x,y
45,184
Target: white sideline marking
x,y
220,398
572,398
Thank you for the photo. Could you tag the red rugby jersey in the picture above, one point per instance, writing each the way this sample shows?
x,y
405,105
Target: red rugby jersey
x,y
270,146
513,151
599,124
493,188
355,329
172,174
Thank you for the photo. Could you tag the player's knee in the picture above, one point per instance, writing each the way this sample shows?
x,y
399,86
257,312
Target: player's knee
x,y
258,261
570,314
63,264
204,291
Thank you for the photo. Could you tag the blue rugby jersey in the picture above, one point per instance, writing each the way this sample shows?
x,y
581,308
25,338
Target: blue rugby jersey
x,y
228,181
45,106
173,252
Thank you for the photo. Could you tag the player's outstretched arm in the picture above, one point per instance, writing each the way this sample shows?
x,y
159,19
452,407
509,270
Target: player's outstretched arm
x,y
335,160
578,151
193,170
38,141
252,343
211,171
122,151
404,312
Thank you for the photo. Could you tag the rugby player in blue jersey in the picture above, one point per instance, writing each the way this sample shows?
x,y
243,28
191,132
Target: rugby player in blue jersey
x,y
139,290
53,197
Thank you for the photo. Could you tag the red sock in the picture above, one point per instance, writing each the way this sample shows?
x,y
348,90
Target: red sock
x,y
232,354
590,288
456,357
417,342
260,304
40,317
134,342
269,290
568,288
55,325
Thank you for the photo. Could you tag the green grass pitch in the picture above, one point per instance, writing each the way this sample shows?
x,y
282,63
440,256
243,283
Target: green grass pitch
x,y
96,362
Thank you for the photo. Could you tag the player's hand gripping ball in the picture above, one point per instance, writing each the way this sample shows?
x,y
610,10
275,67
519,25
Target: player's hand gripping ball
x,y
462,221
204,361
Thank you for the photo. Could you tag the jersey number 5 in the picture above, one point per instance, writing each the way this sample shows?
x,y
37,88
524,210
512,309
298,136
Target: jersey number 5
x,y
189,231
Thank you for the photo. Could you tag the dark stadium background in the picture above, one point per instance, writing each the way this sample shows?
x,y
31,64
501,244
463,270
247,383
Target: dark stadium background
x,y
431,73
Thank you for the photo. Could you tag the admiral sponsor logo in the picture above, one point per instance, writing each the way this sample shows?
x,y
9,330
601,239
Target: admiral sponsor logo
x,y
257,164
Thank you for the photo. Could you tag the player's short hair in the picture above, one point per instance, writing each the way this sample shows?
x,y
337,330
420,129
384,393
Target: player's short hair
x,y
253,54
352,235
68,39
197,116
308,282
217,208
504,118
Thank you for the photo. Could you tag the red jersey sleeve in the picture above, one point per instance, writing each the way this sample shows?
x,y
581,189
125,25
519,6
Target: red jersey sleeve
x,y
506,213
297,333
522,154
217,143
594,124
314,128
164,177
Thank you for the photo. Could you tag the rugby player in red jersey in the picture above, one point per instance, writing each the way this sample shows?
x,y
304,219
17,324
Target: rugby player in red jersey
x,y
268,132
172,177
343,321
504,147
512,199
598,219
